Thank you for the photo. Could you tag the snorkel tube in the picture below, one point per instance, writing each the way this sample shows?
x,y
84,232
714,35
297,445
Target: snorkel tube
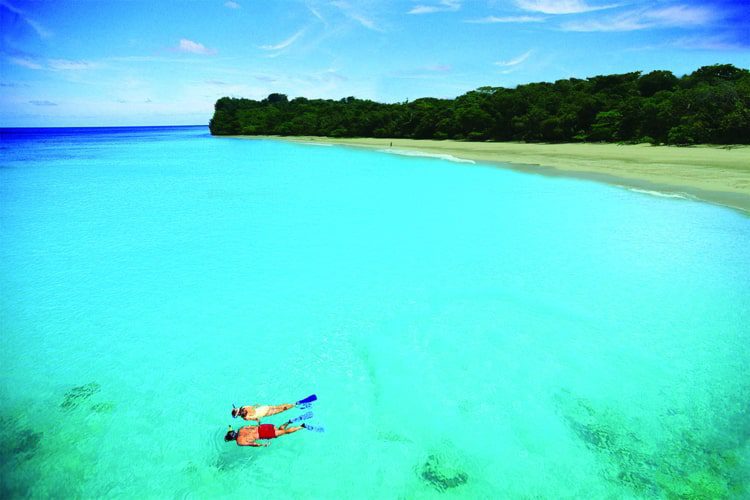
x,y
231,435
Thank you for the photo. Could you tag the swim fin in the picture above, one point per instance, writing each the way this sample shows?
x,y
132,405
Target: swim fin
x,y
309,399
313,428
304,416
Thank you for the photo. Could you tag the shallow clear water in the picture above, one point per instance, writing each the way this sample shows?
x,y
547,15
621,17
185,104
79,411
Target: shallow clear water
x,y
470,331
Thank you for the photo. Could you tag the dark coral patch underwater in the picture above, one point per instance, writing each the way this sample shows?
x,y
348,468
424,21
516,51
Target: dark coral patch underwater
x,y
440,475
79,394
683,465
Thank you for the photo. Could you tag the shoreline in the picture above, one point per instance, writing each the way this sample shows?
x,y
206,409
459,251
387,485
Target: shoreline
x,y
714,174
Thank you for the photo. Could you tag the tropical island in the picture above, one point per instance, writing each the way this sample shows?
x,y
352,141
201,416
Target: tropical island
x,y
602,127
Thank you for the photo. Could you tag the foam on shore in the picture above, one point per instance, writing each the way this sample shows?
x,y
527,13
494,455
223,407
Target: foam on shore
x,y
440,156
661,194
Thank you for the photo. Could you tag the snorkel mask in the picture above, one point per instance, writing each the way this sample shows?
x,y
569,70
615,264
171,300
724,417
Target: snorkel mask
x,y
231,435
235,411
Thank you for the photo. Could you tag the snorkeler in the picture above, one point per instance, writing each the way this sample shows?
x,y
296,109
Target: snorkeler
x,y
249,434
256,412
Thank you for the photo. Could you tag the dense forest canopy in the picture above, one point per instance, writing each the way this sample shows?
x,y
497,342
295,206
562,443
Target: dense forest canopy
x,y
710,105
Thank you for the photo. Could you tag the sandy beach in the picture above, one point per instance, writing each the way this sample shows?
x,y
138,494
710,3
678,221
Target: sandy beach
x,y
719,175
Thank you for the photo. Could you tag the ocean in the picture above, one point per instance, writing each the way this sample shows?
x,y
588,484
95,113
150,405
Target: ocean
x,y
470,331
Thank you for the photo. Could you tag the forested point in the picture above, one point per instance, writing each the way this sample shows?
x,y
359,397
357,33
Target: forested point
x,y
709,106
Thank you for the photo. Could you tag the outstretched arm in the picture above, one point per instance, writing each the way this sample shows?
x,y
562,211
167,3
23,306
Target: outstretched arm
x,y
254,444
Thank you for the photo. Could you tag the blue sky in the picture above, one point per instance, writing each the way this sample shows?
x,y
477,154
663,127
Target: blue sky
x,y
94,63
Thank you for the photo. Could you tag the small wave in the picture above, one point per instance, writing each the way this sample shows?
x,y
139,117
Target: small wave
x,y
316,143
439,156
660,194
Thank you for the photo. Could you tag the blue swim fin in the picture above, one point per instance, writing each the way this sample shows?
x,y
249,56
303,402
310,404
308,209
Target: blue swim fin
x,y
308,399
304,416
313,428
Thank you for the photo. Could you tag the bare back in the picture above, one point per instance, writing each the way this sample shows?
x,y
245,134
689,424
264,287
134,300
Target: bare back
x,y
260,411
246,436
248,413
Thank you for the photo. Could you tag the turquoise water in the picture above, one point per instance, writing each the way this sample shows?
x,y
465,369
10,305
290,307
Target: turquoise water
x,y
470,331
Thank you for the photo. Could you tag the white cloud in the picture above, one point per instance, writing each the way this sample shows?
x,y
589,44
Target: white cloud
x,y
66,65
315,13
192,47
364,21
705,43
43,103
516,60
53,64
286,43
674,16
40,30
507,19
231,5
356,15
37,27
560,6
25,62
441,6
681,15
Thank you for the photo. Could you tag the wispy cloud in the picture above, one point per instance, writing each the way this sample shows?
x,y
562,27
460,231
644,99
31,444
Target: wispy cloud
x,y
679,16
506,19
53,64
43,103
356,15
719,42
365,21
25,62
560,6
67,65
139,101
192,47
441,6
231,5
284,44
317,14
516,60
38,28
265,78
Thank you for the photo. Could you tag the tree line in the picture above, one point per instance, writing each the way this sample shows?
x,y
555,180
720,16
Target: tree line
x,y
710,105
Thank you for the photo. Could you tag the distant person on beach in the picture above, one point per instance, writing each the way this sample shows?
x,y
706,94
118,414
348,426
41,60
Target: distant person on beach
x,y
248,435
256,411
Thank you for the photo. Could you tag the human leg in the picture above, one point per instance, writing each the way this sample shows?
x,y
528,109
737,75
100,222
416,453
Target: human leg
x,y
286,430
273,410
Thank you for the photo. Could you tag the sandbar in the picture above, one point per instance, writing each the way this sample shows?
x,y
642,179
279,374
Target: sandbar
x,y
716,174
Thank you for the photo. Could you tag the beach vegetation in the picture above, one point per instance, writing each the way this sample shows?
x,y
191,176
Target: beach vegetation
x,y
708,106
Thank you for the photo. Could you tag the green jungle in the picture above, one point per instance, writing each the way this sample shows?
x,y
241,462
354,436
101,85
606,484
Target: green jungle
x,y
709,106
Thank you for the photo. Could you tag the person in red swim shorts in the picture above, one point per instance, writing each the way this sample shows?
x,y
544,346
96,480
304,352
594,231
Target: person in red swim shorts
x,y
249,434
